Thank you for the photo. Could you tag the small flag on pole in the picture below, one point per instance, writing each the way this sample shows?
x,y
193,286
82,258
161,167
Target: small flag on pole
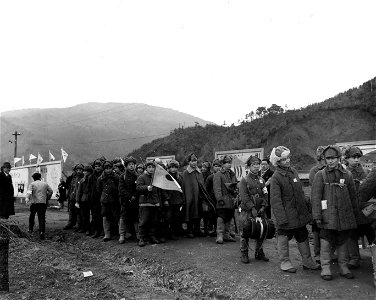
x,y
16,160
64,154
50,156
40,159
32,157
23,159
164,180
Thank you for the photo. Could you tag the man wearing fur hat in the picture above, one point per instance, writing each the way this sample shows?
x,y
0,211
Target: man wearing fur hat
x,y
352,154
6,192
74,212
175,201
193,183
224,185
254,200
290,211
83,199
95,203
108,189
128,222
334,205
208,211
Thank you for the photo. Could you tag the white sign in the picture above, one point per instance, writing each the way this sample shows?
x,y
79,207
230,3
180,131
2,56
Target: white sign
x,y
165,159
239,158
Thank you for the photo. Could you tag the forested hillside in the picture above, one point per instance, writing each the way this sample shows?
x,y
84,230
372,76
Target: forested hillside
x,y
349,116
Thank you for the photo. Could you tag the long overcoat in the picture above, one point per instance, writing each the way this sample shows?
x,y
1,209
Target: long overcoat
x,y
192,179
289,207
224,195
6,196
338,189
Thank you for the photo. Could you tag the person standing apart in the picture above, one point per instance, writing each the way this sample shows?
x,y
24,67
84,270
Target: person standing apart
x,y
290,211
6,192
38,194
334,205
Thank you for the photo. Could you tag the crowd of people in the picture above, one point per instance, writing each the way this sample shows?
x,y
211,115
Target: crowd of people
x,y
117,198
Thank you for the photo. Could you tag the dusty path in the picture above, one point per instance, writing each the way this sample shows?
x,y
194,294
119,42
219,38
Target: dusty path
x,y
184,269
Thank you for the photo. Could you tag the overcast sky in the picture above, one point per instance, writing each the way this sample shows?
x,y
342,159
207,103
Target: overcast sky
x,y
216,60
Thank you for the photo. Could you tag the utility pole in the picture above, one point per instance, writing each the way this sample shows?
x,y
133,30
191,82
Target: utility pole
x,y
15,142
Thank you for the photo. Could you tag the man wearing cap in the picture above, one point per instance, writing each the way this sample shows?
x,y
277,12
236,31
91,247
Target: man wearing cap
x,y
175,202
83,199
352,154
108,189
38,193
224,185
334,204
208,211
128,222
254,200
6,192
193,181
205,169
74,212
95,203
290,211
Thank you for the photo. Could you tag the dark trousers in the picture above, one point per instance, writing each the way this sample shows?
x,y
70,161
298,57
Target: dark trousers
x,y
148,220
85,215
96,217
173,219
72,213
40,209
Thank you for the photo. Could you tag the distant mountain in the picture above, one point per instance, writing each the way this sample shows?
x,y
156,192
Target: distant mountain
x,y
88,131
349,116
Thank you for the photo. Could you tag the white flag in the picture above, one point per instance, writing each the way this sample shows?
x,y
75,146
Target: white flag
x,y
40,159
32,157
164,180
64,154
51,157
16,160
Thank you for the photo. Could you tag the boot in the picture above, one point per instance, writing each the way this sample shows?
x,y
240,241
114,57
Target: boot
x,y
121,231
96,234
154,240
373,252
244,258
305,252
259,252
220,230
283,253
354,255
197,229
325,250
141,242
135,225
316,246
107,229
227,236
342,261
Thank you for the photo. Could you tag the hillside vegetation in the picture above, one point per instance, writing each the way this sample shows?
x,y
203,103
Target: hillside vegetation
x,y
349,116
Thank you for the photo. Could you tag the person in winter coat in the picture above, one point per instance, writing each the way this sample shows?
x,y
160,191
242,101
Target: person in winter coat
x,y
224,185
108,189
140,169
74,212
205,169
353,154
367,190
312,172
254,200
38,194
128,222
150,201
95,203
175,203
208,209
290,211
62,188
83,196
193,183
334,205
266,174
6,192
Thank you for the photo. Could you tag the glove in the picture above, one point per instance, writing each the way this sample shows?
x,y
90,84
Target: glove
x,y
77,205
254,212
150,187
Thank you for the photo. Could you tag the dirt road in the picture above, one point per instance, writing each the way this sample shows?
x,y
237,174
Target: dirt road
x,y
184,269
